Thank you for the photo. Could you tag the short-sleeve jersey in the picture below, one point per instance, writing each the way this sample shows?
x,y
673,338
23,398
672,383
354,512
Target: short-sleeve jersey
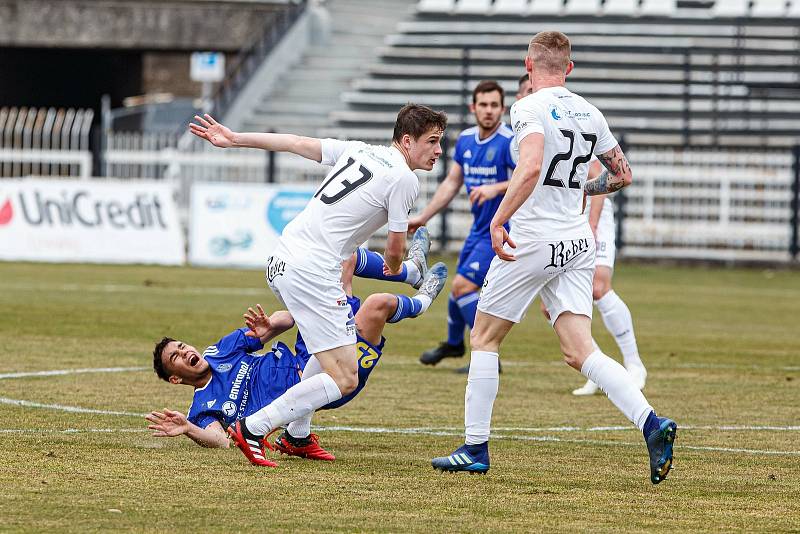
x,y
573,130
367,187
242,382
483,162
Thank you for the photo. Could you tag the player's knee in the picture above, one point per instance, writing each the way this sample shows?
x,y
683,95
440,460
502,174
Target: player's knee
x,y
348,381
462,286
482,340
380,303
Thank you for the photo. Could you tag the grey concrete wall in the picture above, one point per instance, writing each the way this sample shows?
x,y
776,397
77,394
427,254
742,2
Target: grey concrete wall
x,y
226,25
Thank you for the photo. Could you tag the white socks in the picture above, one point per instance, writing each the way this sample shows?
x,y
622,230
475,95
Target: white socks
x,y
301,428
617,318
482,384
299,401
618,385
425,301
412,272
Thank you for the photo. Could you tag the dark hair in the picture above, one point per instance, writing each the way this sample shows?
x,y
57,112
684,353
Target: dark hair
x,y
158,364
415,120
487,86
522,79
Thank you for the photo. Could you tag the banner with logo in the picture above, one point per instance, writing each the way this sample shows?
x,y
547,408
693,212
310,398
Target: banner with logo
x,y
89,221
239,224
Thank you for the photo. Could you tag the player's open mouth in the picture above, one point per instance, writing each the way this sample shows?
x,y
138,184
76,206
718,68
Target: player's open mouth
x,y
194,360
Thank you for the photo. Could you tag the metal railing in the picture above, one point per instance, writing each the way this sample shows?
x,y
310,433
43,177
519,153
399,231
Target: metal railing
x,y
45,142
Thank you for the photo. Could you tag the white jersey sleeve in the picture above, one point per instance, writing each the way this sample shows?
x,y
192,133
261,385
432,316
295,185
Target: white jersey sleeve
x,y
332,149
401,198
525,121
605,139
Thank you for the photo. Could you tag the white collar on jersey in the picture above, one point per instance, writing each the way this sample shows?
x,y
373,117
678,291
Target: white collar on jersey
x,y
484,141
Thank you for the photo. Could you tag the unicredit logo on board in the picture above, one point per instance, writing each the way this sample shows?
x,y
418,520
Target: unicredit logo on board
x,y
6,212
78,208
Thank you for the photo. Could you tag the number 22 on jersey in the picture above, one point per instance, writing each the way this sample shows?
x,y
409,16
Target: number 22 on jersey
x,y
567,156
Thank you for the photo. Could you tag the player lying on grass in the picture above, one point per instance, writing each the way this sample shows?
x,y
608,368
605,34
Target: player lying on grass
x,y
231,382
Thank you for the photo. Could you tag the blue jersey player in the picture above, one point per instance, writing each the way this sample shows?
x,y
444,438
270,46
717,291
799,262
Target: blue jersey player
x,y
231,381
483,162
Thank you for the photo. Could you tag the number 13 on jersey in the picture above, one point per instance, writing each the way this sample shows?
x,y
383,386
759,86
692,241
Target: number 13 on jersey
x,y
343,182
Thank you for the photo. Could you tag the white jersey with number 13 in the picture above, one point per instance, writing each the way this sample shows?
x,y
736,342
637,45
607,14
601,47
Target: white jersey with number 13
x,y
367,187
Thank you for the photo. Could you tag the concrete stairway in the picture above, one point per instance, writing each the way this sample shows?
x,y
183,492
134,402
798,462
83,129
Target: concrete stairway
x,y
310,92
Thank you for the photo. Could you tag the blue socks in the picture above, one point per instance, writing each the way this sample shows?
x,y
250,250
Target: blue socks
x,y
651,424
468,306
455,323
369,264
407,307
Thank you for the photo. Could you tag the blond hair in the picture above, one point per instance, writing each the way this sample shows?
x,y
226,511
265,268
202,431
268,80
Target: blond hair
x,y
550,52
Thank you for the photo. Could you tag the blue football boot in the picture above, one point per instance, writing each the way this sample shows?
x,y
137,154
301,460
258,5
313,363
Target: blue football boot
x,y
469,458
659,445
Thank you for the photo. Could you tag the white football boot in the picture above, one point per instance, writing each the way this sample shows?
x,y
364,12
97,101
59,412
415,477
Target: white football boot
x,y
639,374
589,388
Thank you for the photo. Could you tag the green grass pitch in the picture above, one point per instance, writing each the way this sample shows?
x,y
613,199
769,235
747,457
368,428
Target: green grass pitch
x,y
721,347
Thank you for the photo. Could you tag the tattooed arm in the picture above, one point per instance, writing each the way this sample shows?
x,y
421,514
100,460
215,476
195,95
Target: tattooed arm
x,y
616,176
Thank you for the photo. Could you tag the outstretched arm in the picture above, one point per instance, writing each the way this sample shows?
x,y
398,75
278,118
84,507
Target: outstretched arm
x,y
267,328
220,136
616,176
169,424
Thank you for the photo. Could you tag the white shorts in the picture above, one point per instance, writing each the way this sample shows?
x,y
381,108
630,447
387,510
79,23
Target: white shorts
x,y
606,237
319,305
561,271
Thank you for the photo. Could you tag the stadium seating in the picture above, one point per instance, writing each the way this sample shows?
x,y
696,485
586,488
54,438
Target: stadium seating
x,y
436,6
658,8
510,7
671,78
473,7
731,8
769,8
621,7
547,7
582,7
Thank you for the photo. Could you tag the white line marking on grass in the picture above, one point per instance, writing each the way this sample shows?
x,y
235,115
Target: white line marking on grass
x,y
419,431
385,430
62,408
71,430
134,288
429,431
60,372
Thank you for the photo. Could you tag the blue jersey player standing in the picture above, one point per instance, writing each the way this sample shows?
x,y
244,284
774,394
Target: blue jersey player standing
x,y
483,162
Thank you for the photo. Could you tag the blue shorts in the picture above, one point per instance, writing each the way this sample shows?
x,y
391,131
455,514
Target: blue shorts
x,y
475,258
368,357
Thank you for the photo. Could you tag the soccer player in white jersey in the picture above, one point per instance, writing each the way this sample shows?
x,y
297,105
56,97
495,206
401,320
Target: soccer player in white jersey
x,y
615,313
550,252
367,187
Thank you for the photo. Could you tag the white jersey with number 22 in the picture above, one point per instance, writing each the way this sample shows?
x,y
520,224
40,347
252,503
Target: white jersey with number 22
x,y
573,131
